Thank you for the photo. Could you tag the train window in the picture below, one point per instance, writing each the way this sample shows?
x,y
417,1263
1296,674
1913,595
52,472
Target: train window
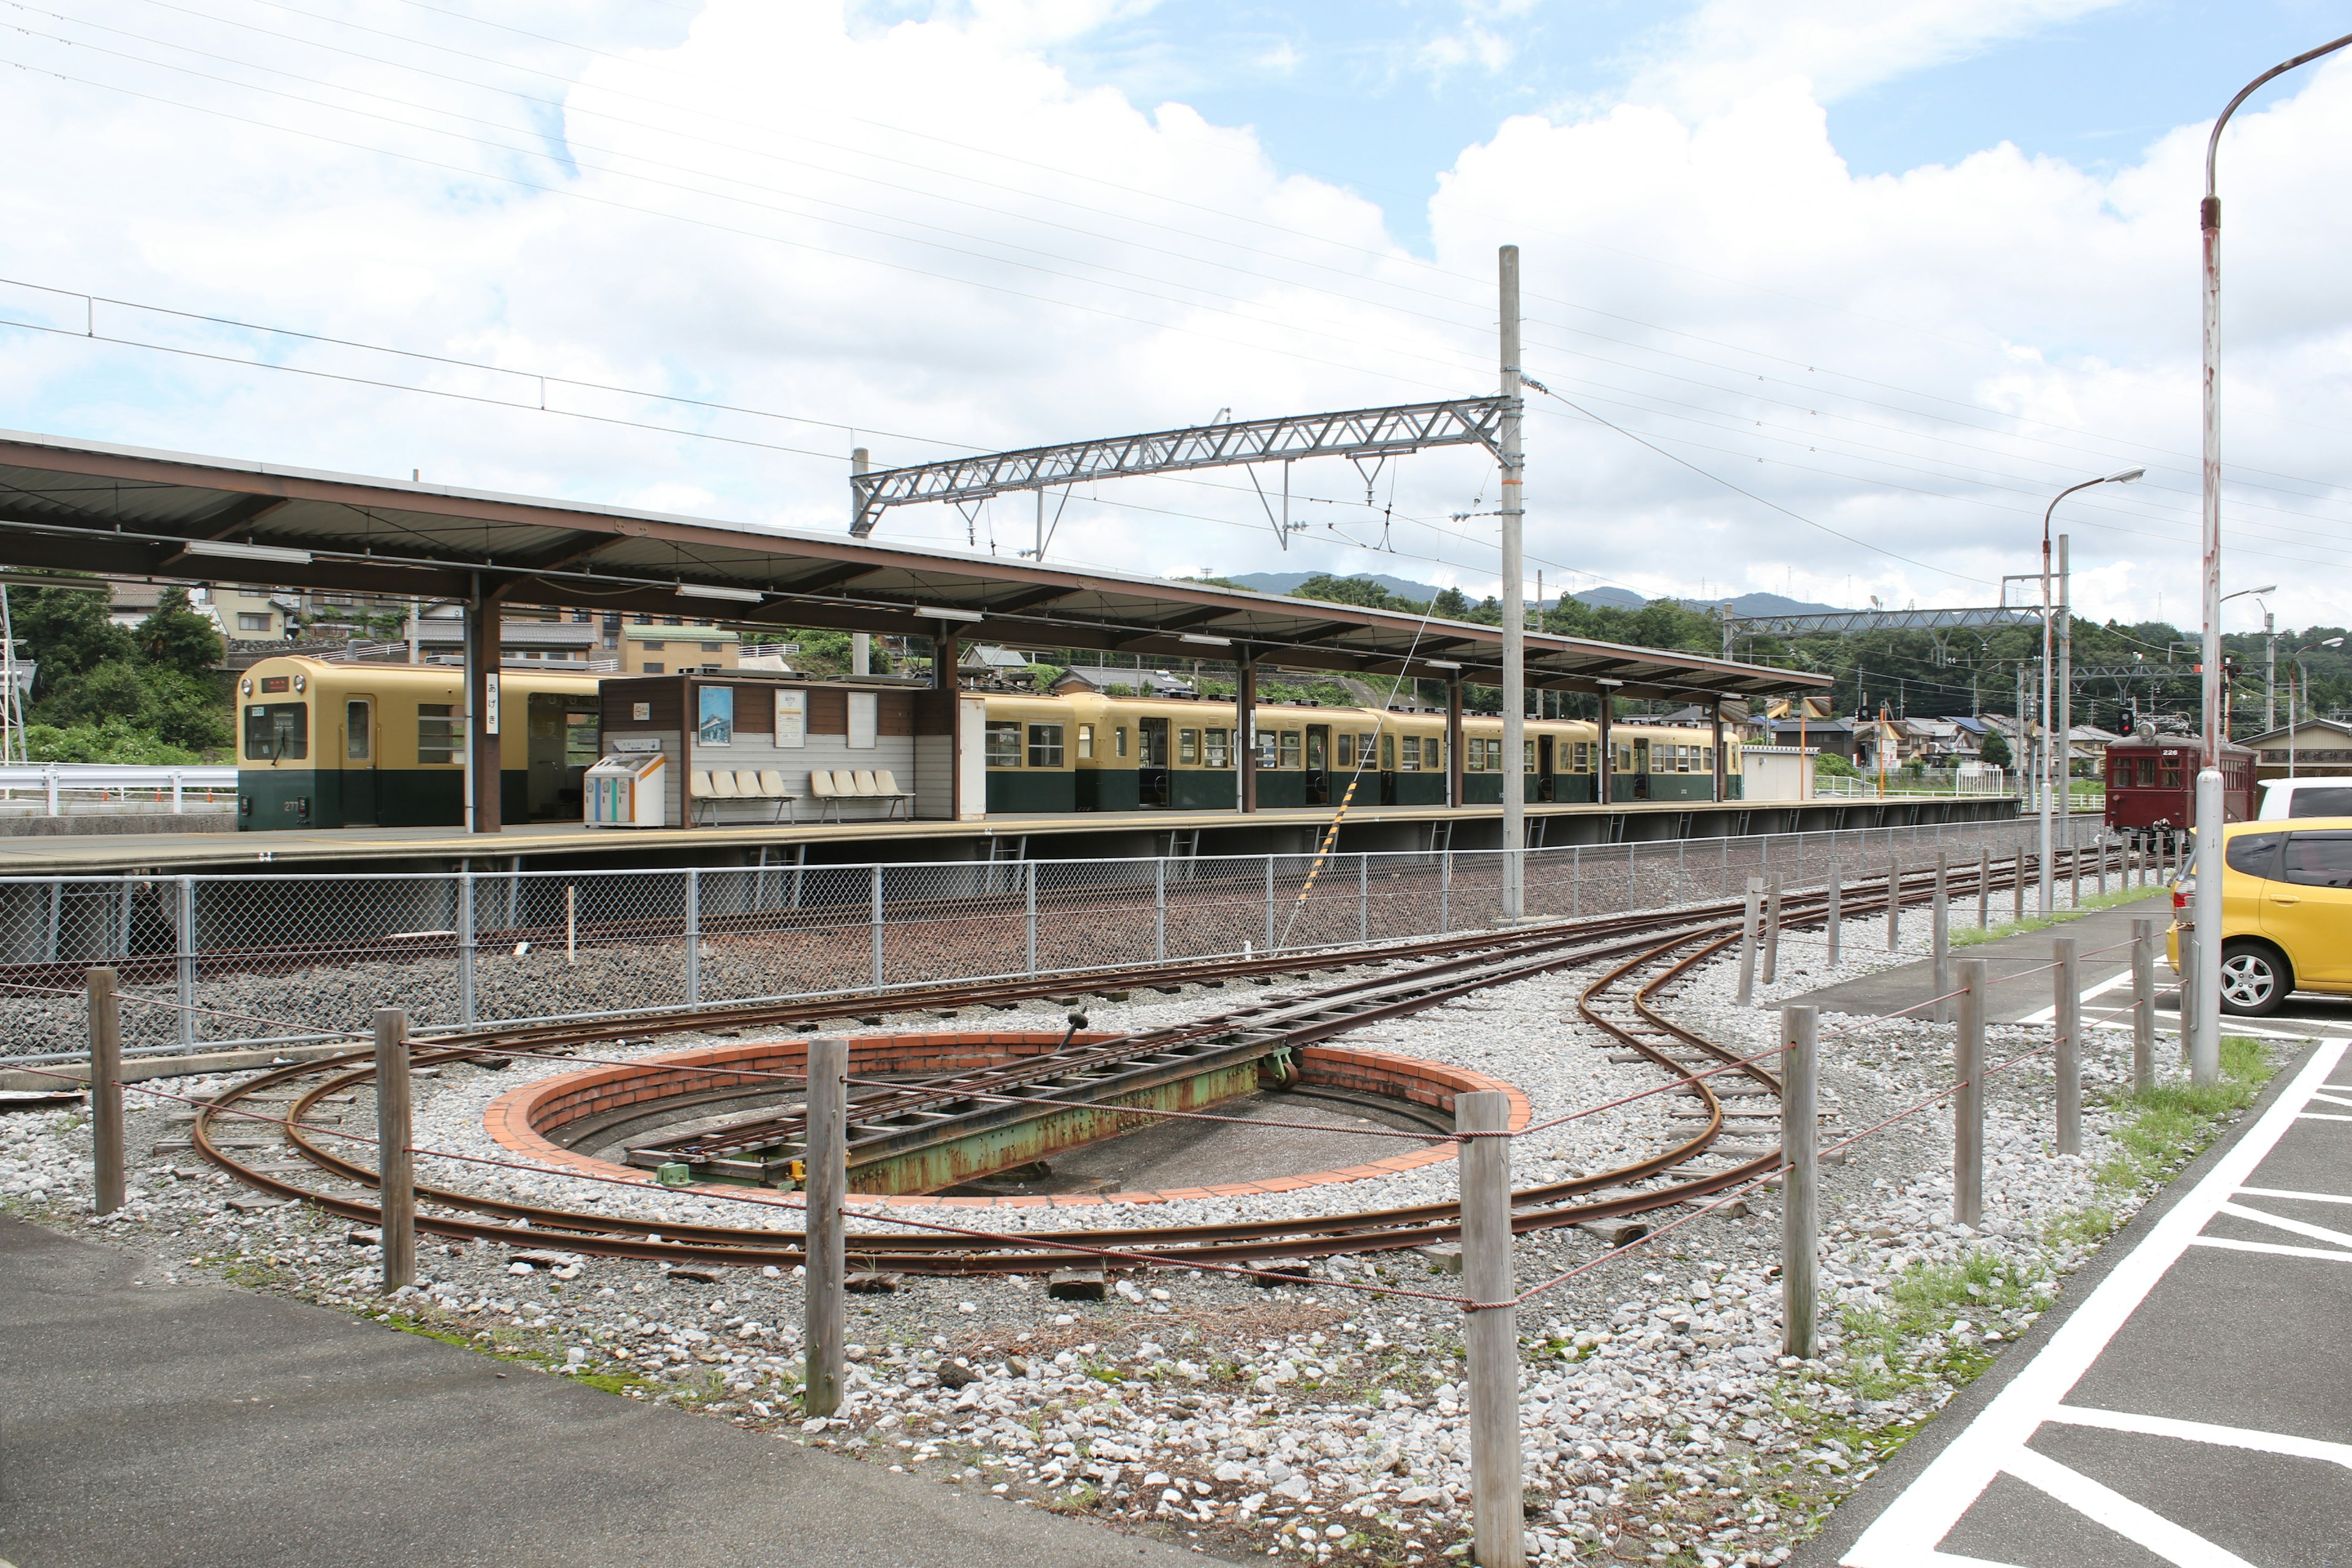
x,y
1528,760
1119,740
1188,747
359,729
1344,756
1474,761
1216,750
1494,755
1388,754
1410,761
1624,760
1266,748
1045,746
2147,773
275,732
438,739
1290,748
1708,754
581,734
1005,745
1086,742
2319,859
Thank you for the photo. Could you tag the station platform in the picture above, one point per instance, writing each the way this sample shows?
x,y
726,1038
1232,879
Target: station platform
x,y
1079,835
160,1426
2187,1400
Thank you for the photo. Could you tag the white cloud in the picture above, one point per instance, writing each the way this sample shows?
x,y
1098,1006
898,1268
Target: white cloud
x,y
916,233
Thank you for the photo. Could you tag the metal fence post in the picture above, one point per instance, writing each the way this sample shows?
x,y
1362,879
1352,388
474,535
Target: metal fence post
x,y
1576,881
179,793
2187,993
1771,928
694,938
187,956
395,1166
465,948
1939,926
824,1318
2143,959
2068,1021
1833,926
1748,942
1491,1335
1893,903
1159,911
1363,898
1029,890
1445,895
106,1134
1800,1182
874,918
1968,1097
1269,903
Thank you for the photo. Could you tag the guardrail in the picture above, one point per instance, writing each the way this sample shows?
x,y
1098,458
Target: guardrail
x,y
61,783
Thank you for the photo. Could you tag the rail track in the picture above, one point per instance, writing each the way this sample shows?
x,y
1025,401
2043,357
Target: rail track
x,y
1647,955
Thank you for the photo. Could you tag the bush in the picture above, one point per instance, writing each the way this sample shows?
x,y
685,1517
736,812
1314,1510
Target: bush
x,y
109,740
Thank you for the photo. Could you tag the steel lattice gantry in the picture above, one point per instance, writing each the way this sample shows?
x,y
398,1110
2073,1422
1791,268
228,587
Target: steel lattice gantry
x,y
1839,622
1353,433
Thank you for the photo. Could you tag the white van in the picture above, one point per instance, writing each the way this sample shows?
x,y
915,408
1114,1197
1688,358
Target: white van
x,y
2284,798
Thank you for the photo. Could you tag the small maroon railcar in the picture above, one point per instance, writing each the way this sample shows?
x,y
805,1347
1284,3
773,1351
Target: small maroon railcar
x,y
2152,784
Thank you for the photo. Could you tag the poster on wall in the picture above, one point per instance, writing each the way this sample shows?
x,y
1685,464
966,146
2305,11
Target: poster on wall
x,y
792,719
863,714
716,726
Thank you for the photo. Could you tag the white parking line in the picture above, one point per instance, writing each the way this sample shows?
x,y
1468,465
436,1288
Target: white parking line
x,y
2205,1432
2230,1244
2142,1526
1905,1534
2289,1193
2112,982
2293,1226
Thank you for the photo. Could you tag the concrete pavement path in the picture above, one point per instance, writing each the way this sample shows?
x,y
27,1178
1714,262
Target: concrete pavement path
x,y
202,1426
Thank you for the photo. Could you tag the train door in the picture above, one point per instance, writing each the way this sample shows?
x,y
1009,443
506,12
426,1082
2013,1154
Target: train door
x,y
1318,764
1641,767
1151,761
543,724
1544,790
359,763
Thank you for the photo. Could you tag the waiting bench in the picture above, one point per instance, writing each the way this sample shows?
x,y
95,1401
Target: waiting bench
x,y
709,789
835,787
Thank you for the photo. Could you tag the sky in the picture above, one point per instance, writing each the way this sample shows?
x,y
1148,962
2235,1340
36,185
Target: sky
x,y
1830,297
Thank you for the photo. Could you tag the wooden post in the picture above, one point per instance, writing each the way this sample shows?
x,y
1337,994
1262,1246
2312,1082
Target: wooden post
x,y
106,1136
1984,890
1968,1097
1748,942
395,1166
2017,891
1939,925
2103,865
1245,726
2068,1021
825,1317
1893,903
2143,958
1835,925
1491,1334
1801,1184
1772,928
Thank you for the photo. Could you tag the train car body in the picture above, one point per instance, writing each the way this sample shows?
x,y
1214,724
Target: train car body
x,y
1139,754
384,746
1030,754
2152,785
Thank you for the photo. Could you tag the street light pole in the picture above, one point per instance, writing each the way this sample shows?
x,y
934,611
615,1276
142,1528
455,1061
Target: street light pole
x,y
1515,613
2049,665
2205,1050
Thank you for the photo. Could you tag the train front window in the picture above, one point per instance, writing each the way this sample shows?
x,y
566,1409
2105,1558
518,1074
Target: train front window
x,y
277,732
1045,746
438,738
1005,745
2147,773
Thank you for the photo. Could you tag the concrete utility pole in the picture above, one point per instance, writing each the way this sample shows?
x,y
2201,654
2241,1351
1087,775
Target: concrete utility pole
x,y
1515,611
861,644
2270,672
2206,1067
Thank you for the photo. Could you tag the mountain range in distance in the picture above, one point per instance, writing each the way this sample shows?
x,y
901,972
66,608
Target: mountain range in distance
x,y
1603,597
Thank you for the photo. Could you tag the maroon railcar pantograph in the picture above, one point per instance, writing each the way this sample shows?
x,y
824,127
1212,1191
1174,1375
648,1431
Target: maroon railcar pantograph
x,y
2152,785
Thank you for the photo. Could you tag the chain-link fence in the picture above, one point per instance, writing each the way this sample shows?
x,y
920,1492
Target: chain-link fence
x,y
207,961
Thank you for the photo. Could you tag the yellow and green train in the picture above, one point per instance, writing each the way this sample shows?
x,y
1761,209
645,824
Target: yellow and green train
x,y
384,746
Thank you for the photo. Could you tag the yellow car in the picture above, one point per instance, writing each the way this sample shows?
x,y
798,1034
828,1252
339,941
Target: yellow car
x,y
2286,911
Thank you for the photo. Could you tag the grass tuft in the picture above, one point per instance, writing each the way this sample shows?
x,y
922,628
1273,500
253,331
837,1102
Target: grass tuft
x,y
1969,936
2169,1125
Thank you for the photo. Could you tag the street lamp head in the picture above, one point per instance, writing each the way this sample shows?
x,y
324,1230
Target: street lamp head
x,y
2125,477
2333,642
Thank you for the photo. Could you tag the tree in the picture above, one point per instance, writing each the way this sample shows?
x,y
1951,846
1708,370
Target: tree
x,y
1995,750
68,631
1360,591
175,637
1451,605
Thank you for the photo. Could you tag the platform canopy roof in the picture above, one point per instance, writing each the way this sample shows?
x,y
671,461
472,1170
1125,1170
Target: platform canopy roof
x,y
124,512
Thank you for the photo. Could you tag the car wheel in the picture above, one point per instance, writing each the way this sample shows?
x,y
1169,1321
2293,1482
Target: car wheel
x,y
2254,980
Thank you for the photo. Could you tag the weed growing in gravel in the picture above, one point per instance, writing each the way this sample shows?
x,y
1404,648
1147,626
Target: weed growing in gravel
x,y
2167,1126
1910,1341
1970,936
